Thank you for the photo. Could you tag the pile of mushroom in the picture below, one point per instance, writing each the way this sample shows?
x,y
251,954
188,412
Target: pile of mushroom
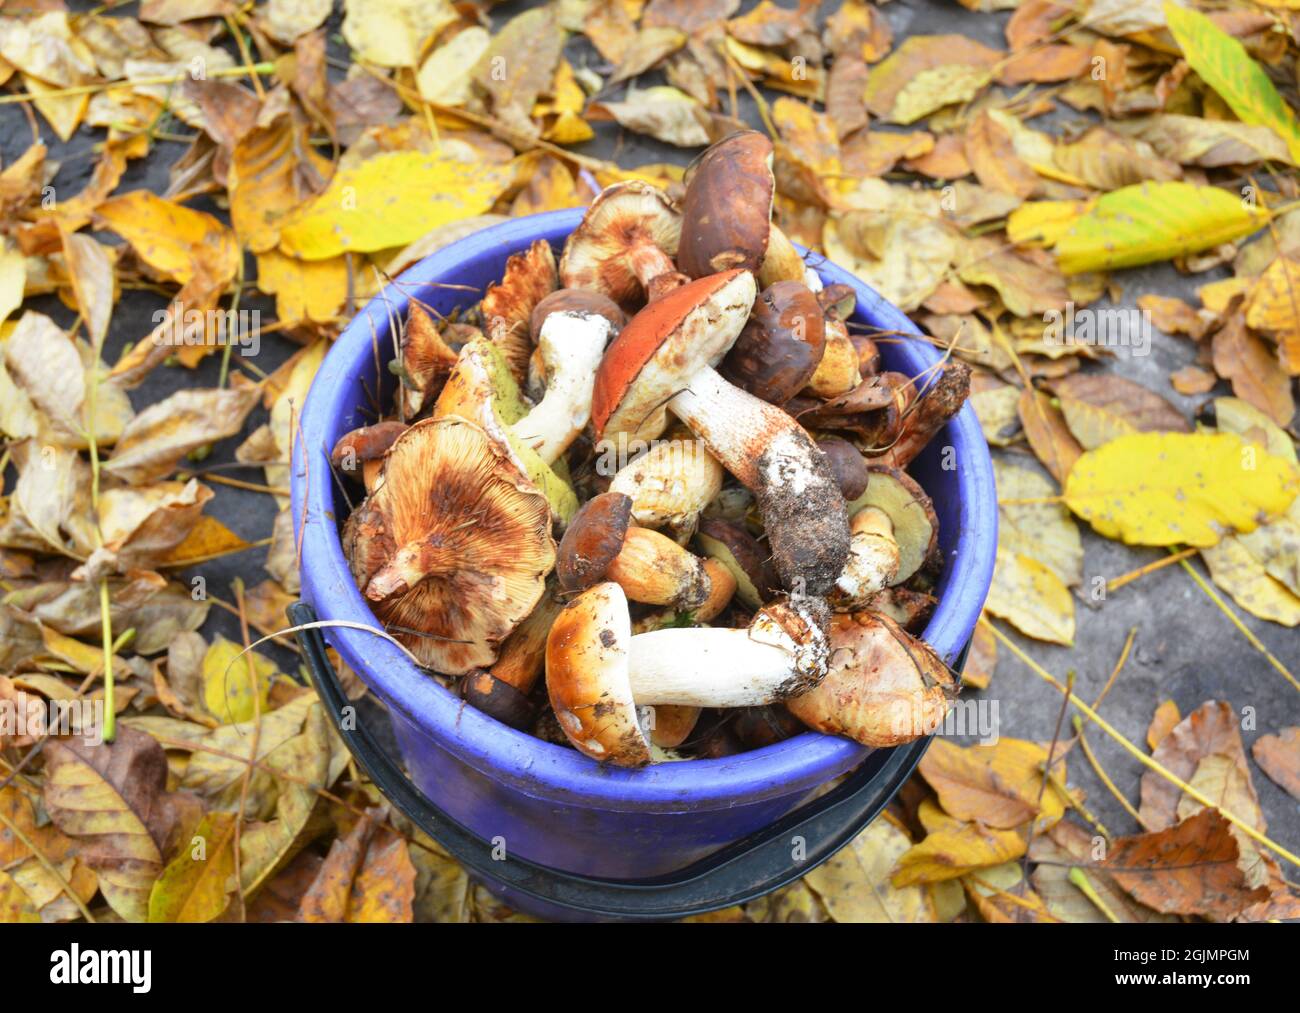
x,y
650,499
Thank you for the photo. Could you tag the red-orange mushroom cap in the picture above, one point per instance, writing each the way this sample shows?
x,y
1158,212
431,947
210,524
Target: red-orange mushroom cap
x,y
663,360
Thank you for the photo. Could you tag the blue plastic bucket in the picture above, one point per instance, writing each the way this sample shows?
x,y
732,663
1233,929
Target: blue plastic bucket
x,y
550,804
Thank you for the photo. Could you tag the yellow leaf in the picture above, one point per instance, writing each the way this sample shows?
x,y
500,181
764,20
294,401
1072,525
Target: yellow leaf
x,y
1170,488
196,885
15,906
227,686
304,290
13,276
390,200
953,848
208,538
1274,307
1223,64
1032,598
1044,222
391,32
1154,221
854,884
172,239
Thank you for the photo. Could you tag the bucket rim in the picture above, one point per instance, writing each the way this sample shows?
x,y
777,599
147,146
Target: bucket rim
x,y
540,768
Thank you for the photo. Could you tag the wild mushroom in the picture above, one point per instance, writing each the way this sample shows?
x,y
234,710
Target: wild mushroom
x,y
670,485
742,556
362,450
848,464
894,529
598,674
627,238
933,408
722,588
780,349
482,390
837,371
575,300
664,358
910,609
503,691
508,305
884,687
458,544
571,344
424,363
601,544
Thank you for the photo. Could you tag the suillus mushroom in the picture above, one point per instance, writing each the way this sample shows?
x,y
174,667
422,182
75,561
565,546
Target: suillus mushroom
x,y
575,300
598,674
884,687
780,348
722,588
508,305
503,691
601,544
670,485
664,358
912,518
744,558
458,545
627,238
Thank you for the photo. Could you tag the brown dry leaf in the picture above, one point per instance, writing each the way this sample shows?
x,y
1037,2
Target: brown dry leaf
x,y
178,242
90,269
1048,434
982,660
1068,845
1172,315
112,799
1190,380
1189,868
1278,756
154,442
1056,62
858,28
273,170
992,155
947,160
1211,728
926,73
513,82
1108,161
366,877
1253,369
997,785
143,525
1098,407
1163,722
953,848
844,85
1028,287
854,884
663,112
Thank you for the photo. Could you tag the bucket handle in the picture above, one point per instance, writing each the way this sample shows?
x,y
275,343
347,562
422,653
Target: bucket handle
x,y
735,874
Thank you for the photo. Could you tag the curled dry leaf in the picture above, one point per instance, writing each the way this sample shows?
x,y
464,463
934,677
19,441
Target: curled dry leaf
x,y
154,442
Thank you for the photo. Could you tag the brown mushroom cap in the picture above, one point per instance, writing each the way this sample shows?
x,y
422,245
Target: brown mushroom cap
x,y
587,677
884,687
576,300
781,346
691,327
369,443
747,561
838,300
848,464
592,540
466,545
628,236
727,209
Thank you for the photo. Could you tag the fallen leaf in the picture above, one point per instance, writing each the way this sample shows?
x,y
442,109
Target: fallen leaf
x,y
1032,598
1170,488
366,877
1278,756
1163,722
998,785
154,442
926,73
178,242
196,885
389,32
1272,308
1099,407
229,691
1049,436
662,112
953,848
854,883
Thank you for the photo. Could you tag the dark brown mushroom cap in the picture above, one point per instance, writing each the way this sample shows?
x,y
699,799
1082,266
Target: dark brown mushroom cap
x,y
778,351
592,540
576,300
369,443
848,464
727,210
744,556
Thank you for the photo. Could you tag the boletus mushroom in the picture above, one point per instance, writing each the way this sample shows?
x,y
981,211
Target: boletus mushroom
x,y
780,349
670,485
601,544
360,453
503,691
456,544
598,674
627,238
884,687
664,358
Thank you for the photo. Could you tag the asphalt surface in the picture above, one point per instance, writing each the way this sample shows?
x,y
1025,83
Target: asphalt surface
x,y
1185,650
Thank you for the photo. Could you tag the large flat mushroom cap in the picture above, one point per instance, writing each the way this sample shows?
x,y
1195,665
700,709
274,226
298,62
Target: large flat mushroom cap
x,y
663,346
601,253
468,542
587,677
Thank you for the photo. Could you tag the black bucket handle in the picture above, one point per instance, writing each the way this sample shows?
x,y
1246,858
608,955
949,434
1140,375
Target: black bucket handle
x,y
735,874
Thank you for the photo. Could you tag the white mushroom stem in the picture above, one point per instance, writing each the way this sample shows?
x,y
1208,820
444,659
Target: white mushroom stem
x,y
873,559
712,667
571,344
